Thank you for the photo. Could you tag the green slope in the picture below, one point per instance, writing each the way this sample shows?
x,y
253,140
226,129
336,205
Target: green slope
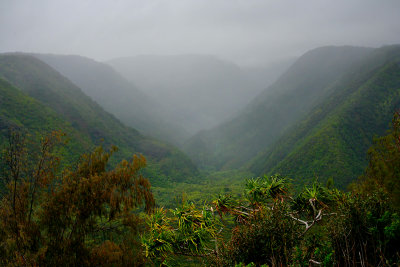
x,y
116,95
333,139
20,112
302,87
46,85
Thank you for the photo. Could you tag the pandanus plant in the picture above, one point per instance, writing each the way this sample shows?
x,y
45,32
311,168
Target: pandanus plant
x,y
267,188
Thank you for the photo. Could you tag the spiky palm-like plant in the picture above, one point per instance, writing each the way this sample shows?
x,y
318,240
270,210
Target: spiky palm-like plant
x,y
261,190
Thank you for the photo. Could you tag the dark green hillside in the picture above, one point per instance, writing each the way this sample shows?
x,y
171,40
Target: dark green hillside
x,y
20,112
116,95
46,85
265,119
333,139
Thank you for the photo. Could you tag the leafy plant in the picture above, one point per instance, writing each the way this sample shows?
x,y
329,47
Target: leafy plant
x,y
77,216
188,231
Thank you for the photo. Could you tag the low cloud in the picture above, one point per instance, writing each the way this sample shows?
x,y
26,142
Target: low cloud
x,y
245,31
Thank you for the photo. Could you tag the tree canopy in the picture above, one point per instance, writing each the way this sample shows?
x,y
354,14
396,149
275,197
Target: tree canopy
x,y
83,215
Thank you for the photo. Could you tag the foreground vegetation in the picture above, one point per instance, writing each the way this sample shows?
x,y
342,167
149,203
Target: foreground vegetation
x,y
272,226
80,216
91,215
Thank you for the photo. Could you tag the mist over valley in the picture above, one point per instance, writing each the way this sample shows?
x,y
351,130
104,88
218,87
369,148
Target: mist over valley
x,y
199,133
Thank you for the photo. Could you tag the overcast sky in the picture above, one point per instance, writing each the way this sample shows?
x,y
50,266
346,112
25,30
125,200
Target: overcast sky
x,y
244,31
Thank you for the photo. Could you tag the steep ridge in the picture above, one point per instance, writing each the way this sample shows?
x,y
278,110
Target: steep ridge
x,y
117,95
333,139
307,82
46,85
20,112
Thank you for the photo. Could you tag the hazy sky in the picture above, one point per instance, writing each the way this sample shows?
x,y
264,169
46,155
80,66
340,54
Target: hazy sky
x,y
245,31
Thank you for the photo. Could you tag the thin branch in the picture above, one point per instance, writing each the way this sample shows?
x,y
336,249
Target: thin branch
x,y
315,262
309,224
297,219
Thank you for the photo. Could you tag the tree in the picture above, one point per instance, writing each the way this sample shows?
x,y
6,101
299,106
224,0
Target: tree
x,y
187,231
272,224
266,228
366,230
78,216
383,171
318,226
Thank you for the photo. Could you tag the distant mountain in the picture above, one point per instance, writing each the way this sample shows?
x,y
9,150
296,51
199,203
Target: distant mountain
x,y
87,119
118,96
332,140
198,91
303,86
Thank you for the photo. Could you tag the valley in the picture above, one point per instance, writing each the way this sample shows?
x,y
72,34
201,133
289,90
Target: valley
x,y
200,133
200,157
315,122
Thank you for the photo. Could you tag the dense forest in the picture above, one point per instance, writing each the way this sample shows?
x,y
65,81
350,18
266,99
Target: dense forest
x,y
91,215
305,174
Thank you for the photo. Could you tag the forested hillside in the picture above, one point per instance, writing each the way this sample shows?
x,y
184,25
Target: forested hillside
x,y
200,133
307,82
334,137
19,112
86,117
118,96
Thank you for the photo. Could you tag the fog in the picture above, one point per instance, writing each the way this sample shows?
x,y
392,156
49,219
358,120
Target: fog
x,y
200,61
234,84
199,91
247,32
